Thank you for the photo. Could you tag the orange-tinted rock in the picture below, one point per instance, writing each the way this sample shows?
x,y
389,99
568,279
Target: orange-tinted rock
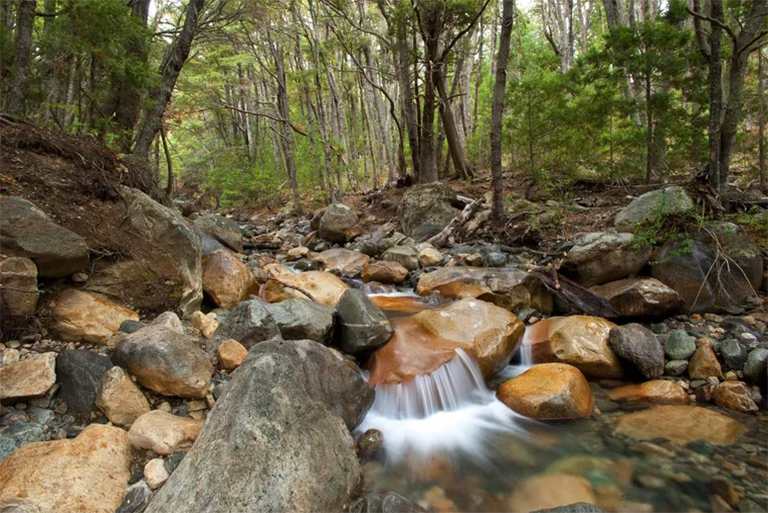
x,y
87,316
319,286
402,304
704,364
231,354
549,391
226,279
640,297
550,491
343,261
658,391
384,271
680,424
734,395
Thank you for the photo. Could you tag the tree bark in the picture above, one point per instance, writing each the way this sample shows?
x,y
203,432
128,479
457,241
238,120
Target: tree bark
x,y
761,121
715,96
25,20
455,146
497,184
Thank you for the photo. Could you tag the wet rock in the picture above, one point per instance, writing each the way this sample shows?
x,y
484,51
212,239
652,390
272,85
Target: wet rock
x,y
87,316
164,433
307,265
318,286
165,361
369,443
89,473
15,436
250,322
680,424
231,354
120,399
756,364
429,257
155,473
579,507
704,364
406,256
651,392
389,502
734,354
550,491
136,498
384,272
734,395
363,327
222,229
18,287
426,209
648,208
549,391
343,261
602,257
226,279
130,326
287,415
639,346
578,340
679,345
335,222
79,373
28,232
640,297
30,377
302,319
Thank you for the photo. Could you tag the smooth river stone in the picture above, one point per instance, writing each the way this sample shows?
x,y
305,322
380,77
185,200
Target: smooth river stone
x,y
680,424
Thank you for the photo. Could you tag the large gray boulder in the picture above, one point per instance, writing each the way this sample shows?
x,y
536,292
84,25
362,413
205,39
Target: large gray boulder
x,y
336,220
639,346
363,326
27,231
652,206
278,439
426,209
225,231
78,373
601,257
250,322
302,319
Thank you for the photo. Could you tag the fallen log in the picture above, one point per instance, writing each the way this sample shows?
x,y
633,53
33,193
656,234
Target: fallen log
x,y
574,295
441,238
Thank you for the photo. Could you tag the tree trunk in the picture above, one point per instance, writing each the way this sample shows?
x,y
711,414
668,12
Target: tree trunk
x,y
427,164
761,121
497,185
403,70
715,98
455,146
25,21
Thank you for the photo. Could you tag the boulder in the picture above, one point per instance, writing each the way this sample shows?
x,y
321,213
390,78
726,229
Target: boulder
x,y
249,323
362,325
343,262
734,395
30,377
226,279
406,256
716,270
679,345
704,364
651,392
733,354
639,347
578,340
549,391
602,257
302,319
89,473
400,304
120,399
429,257
87,316
336,221
756,365
651,207
163,432
384,272
680,424
16,436
321,287
224,230
286,415
164,360
28,232
426,209
640,297
18,287
550,491
79,373
231,354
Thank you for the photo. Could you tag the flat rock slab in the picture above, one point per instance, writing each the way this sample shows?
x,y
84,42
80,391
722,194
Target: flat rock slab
x,y
680,424
31,377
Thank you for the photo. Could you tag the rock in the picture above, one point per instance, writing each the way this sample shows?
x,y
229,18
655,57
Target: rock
x,y
164,433
513,288
694,270
130,326
363,327
651,392
155,473
302,319
120,399
318,286
30,377
87,316
676,367
28,232
429,257
89,473
343,261
426,209
549,391
652,206
639,346
756,364
734,355
389,502
18,287
704,364
337,219
406,256
249,323
226,279
307,265
18,435
550,491
210,244
136,498
231,354
205,323
602,257
222,229
384,272
165,361
369,443
578,340
79,373
640,297
297,253
734,395
287,415
679,345
680,424
582,507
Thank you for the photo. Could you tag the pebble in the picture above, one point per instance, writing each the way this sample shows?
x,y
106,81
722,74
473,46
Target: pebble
x,y
155,473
